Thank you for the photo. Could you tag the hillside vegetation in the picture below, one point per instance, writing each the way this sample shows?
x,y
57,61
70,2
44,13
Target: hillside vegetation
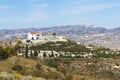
x,y
103,64
65,69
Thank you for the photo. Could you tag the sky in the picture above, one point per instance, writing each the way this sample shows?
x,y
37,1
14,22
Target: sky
x,y
16,14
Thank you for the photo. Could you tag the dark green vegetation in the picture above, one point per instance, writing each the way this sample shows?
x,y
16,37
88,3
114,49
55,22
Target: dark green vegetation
x,y
69,46
26,51
6,52
52,63
105,53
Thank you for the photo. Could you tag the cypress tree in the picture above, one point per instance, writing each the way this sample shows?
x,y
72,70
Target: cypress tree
x,y
52,55
44,54
31,54
26,51
35,53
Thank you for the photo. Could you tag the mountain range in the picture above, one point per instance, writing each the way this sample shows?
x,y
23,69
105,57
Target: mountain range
x,y
85,34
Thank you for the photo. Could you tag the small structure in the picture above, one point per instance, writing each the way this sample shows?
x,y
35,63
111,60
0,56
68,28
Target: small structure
x,y
34,35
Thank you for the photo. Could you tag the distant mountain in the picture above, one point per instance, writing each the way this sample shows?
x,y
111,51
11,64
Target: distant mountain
x,y
77,29
115,30
85,34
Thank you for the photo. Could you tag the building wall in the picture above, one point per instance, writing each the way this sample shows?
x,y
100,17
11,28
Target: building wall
x,y
34,36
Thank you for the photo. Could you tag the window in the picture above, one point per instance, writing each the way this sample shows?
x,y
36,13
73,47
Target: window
x,y
32,38
38,35
37,38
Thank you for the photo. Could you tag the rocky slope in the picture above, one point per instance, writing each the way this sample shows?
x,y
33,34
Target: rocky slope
x,y
15,68
85,34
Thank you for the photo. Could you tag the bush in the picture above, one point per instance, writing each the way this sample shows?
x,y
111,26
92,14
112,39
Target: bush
x,y
62,69
37,73
17,68
38,66
110,73
3,53
69,77
52,75
2,78
10,51
52,63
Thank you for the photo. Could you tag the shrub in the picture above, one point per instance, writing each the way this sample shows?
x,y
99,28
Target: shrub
x,y
2,78
37,73
17,68
110,73
38,66
52,63
3,53
117,64
69,77
62,69
52,75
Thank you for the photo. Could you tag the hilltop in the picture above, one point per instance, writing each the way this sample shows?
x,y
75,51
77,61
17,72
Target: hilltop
x,y
85,34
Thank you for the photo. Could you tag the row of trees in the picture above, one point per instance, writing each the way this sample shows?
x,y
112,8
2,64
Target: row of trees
x,y
69,46
66,47
35,53
31,54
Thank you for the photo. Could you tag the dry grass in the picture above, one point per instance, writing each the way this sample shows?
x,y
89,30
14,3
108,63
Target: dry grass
x,y
5,66
27,62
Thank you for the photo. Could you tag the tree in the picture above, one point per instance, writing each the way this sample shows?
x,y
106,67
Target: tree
x,y
35,53
52,54
3,53
54,34
31,54
44,54
26,51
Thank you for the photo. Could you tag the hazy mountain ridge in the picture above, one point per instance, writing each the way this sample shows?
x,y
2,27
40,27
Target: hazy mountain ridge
x,y
86,34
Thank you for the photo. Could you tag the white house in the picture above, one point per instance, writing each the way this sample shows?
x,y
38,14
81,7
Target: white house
x,y
34,35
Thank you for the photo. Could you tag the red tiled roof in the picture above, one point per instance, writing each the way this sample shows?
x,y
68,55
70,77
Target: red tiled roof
x,y
35,32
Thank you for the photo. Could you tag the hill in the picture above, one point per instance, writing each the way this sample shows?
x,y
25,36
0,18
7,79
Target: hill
x,y
85,34
75,63
67,69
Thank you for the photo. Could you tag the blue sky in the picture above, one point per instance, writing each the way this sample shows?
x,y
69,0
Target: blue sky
x,y
16,14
